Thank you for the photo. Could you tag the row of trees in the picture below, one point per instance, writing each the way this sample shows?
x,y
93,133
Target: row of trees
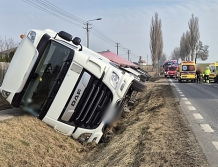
x,y
191,47
7,43
7,50
156,40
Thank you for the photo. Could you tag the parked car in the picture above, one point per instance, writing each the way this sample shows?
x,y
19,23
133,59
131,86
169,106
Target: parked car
x,y
68,86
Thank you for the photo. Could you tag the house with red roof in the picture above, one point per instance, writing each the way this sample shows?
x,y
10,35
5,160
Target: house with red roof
x,y
117,59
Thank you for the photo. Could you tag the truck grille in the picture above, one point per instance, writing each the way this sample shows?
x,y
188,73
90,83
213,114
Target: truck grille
x,y
92,105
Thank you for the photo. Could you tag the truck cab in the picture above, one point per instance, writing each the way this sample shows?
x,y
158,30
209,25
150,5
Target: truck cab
x,y
187,71
68,86
171,72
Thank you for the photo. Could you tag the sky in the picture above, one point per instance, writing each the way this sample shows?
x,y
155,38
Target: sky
x,y
124,21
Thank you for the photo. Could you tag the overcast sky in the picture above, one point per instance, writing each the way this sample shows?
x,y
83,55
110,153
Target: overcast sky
x,y
124,21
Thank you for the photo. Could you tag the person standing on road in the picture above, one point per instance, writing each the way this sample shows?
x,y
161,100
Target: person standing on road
x,y
198,73
206,75
201,75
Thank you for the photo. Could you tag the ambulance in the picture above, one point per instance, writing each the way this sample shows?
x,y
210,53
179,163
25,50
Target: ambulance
x,y
187,71
213,72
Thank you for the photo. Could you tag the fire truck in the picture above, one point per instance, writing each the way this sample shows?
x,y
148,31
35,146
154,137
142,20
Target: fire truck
x,y
166,64
172,71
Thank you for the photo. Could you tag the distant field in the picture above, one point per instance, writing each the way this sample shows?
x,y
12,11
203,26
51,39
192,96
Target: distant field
x,y
204,65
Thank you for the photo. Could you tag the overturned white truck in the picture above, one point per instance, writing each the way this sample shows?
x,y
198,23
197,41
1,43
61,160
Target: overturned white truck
x,y
71,88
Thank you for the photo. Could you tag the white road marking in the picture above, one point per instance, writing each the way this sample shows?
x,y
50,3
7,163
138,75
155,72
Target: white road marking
x,y
197,116
184,98
180,92
182,95
206,128
187,102
215,143
215,86
191,108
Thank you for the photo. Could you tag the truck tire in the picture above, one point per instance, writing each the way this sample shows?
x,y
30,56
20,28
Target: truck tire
x,y
138,86
180,80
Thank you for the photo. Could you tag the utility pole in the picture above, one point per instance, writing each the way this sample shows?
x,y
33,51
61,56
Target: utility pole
x,y
87,32
117,47
88,28
128,51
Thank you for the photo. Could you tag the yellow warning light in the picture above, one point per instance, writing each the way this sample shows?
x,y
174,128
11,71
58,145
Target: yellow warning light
x,y
22,36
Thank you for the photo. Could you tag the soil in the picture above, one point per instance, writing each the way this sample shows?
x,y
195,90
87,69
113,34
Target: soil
x,y
4,104
155,133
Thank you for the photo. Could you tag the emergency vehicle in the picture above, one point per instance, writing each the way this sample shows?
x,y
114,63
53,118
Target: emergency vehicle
x,y
187,71
172,69
166,64
213,72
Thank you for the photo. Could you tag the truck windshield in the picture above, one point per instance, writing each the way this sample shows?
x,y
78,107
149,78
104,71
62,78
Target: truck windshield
x,y
44,76
212,68
188,68
172,68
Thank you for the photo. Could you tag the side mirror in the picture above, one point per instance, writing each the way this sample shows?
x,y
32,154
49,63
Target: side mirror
x,y
76,41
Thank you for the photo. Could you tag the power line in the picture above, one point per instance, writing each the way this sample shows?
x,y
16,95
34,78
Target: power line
x,y
50,12
50,8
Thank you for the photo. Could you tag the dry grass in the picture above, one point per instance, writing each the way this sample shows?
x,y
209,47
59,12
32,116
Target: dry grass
x,y
154,134
27,141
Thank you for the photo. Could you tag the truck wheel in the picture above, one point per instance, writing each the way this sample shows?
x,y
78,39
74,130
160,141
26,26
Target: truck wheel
x,y
180,80
137,86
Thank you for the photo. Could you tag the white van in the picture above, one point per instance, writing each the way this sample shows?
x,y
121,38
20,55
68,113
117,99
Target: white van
x,y
68,86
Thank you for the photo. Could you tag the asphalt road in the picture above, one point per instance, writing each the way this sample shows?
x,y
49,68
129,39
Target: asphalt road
x,y
199,103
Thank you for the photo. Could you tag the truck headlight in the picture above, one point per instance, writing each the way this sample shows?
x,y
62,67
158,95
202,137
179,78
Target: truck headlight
x,y
32,36
84,137
114,80
5,94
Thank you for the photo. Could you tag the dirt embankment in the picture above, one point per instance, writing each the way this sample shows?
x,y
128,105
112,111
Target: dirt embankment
x,y
4,104
154,134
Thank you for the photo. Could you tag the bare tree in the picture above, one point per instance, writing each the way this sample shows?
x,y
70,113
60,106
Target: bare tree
x,y
201,51
163,59
194,34
182,47
7,43
185,46
156,40
175,55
